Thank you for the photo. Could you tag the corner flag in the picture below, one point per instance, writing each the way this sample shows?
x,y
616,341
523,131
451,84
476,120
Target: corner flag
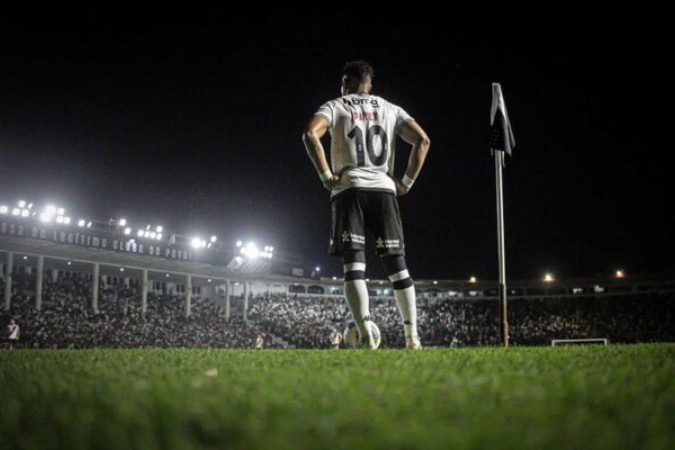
x,y
501,135
501,140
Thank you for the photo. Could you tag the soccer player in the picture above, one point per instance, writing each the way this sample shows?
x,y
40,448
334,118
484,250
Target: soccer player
x,y
363,188
14,333
335,338
259,341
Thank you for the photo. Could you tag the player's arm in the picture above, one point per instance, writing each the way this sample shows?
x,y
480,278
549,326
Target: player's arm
x,y
414,135
311,137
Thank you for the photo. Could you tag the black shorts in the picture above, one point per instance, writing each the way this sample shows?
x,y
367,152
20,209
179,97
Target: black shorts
x,y
358,212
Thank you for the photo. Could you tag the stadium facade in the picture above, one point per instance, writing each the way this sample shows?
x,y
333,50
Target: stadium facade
x,y
172,266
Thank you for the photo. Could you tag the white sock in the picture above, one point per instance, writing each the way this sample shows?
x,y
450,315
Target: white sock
x,y
406,302
356,292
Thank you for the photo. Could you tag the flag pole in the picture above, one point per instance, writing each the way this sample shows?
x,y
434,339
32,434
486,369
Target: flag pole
x,y
503,316
501,141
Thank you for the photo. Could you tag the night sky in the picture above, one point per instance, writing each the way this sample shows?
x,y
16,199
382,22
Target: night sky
x,y
195,122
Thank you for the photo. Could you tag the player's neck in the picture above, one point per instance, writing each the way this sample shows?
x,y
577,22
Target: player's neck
x,y
361,90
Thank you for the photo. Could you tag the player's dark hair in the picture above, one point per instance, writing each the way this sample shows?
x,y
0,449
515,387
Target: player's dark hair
x,y
358,70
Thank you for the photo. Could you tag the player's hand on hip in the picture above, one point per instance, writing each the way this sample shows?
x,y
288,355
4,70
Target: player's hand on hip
x,y
331,182
401,189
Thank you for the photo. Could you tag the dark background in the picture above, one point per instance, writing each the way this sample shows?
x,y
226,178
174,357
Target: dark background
x,y
194,122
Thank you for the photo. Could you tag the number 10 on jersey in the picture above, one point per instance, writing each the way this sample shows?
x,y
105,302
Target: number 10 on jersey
x,y
373,160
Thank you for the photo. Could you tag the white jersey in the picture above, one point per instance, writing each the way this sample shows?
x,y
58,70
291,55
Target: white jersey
x,y
335,338
13,331
363,130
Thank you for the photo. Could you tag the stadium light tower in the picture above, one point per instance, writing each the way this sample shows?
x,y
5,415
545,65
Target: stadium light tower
x,y
250,251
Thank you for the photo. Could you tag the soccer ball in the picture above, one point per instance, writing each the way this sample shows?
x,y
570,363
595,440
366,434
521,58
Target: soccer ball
x,y
351,335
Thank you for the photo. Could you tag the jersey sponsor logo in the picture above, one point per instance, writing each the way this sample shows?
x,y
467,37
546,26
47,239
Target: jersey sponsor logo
x,y
361,101
351,237
387,243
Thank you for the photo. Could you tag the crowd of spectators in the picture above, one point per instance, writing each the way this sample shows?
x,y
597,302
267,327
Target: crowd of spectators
x,y
66,319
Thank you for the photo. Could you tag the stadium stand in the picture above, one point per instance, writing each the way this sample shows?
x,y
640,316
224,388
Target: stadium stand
x,y
157,289
65,319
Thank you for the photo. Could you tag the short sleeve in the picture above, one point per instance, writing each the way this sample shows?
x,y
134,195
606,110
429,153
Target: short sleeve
x,y
326,111
402,118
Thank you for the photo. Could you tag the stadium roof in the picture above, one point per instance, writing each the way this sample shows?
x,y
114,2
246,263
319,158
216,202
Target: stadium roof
x,y
127,260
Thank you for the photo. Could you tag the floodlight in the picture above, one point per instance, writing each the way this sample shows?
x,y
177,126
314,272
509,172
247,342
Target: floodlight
x,y
60,211
80,223
317,268
159,229
141,233
196,242
122,222
250,251
59,219
127,231
209,280
89,224
21,203
30,205
66,220
51,209
25,258
620,274
167,275
45,217
214,238
159,236
238,243
473,280
121,269
69,263
334,277
16,211
549,278
3,209
435,282
25,213
153,235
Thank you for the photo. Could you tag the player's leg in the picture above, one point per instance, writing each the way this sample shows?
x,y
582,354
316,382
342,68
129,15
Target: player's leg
x,y
348,241
356,292
404,292
388,229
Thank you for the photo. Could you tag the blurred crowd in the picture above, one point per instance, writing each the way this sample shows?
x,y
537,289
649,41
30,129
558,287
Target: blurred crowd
x,y
66,319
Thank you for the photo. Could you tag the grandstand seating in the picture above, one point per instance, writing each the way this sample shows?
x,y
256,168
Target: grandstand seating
x,y
305,320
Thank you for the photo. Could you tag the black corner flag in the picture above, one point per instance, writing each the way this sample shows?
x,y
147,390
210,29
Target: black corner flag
x,y
501,141
501,135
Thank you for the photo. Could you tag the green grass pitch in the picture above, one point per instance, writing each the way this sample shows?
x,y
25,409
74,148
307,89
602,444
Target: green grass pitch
x,y
590,397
